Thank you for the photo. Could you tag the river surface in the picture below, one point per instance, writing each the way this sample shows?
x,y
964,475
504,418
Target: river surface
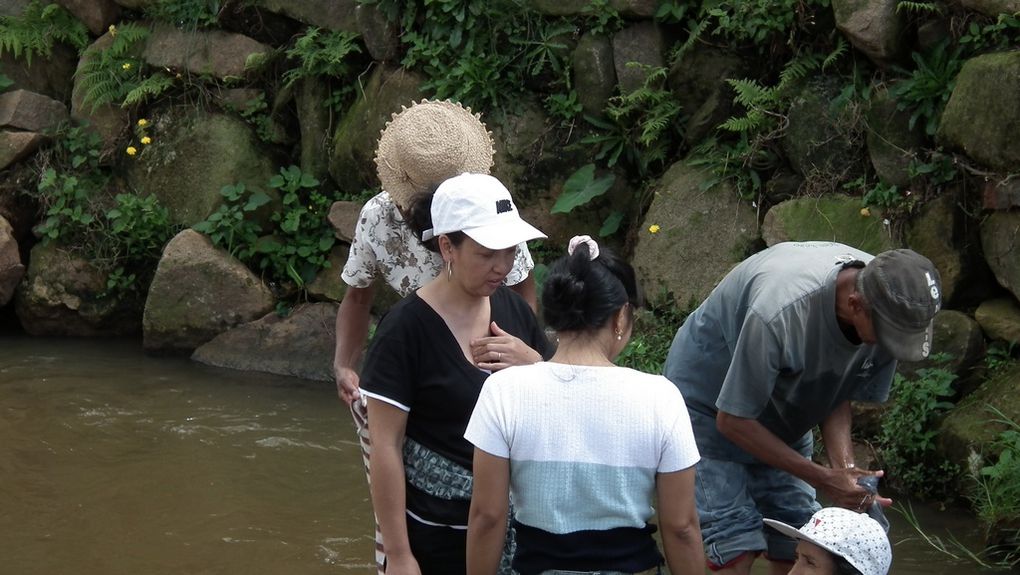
x,y
114,462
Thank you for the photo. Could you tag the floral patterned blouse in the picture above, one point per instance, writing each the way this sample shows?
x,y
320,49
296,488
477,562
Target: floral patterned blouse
x,y
385,246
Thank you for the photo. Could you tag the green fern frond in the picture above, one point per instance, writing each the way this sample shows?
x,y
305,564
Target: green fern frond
x,y
749,92
752,121
38,28
149,88
798,68
320,54
919,7
127,36
836,54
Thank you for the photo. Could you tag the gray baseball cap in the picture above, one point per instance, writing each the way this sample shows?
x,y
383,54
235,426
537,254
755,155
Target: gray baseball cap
x,y
904,291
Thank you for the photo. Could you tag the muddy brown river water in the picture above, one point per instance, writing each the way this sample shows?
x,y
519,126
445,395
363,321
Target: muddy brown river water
x,y
115,462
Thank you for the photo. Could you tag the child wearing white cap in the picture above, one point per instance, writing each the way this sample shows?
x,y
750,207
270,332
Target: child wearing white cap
x,y
837,541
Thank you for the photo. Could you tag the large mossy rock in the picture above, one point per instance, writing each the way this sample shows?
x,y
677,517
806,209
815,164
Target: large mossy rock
x,y
192,157
643,43
11,268
51,76
819,141
1000,319
64,294
594,73
699,82
832,218
935,232
1000,239
198,292
982,117
958,345
314,119
16,146
699,236
327,285
336,15
892,144
972,426
215,53
97,15
31,112
108,121
875,27
301,344
992,8
386,92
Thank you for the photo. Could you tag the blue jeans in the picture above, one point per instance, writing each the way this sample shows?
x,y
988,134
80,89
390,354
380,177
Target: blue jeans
x,y
732,499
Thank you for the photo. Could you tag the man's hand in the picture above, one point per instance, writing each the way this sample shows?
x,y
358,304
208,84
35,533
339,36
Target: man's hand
x,y
347,384
501,350
841,488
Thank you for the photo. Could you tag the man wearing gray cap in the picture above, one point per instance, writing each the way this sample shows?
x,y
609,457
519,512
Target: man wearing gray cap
x,y
785,341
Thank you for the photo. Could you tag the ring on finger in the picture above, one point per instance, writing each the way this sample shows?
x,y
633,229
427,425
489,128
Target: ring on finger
x,y
864,502
499,356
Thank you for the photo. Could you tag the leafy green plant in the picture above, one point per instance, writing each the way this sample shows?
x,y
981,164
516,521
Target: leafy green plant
x,y
321,53
185,14
884,196
229,227
34,32
138,228
999,35
996,494
547,49
906,442
671,12
601,18
581,188
757,22
303,240
927,87
5,83
653,333
564,107
107,75
642,128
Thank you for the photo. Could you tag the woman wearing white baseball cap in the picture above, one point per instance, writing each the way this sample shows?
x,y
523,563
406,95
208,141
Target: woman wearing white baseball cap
x,y
837,541
426,365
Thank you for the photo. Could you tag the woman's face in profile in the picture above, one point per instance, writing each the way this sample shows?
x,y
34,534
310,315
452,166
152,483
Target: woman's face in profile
x,y
813,560
480,270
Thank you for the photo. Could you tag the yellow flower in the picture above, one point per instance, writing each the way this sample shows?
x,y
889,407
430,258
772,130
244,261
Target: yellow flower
x,y
146,140
126,65
131,150
142,122
865,212
112,30
654,229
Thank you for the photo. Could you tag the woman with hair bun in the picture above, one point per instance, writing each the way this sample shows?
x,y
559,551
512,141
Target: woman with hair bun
x,y
582,445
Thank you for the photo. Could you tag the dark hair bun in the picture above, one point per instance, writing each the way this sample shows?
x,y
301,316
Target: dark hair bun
x,y
581,294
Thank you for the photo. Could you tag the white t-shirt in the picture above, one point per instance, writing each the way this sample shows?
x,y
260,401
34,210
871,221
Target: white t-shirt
x,y
584,443
385,246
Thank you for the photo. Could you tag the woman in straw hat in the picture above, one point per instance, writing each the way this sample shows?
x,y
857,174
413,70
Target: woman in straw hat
x,y
421,375
583,485
421,146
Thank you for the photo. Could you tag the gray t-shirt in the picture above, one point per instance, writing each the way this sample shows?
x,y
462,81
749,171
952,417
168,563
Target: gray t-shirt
x,y
766,345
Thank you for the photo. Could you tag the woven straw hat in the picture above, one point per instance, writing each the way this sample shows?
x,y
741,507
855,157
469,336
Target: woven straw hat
x,y
426,144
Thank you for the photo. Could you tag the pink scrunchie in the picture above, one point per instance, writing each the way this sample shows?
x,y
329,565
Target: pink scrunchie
x,y
593,248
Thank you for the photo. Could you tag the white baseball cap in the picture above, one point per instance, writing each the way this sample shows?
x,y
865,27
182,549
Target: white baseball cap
x,y
481,207
853,536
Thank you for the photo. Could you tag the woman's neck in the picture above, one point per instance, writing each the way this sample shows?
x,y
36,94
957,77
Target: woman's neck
x,y
584,349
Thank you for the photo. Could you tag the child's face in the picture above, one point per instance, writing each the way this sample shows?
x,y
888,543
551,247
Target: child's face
x,y
813,560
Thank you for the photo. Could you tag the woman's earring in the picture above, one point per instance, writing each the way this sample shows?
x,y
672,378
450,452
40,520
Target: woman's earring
x,y
619,335
449,270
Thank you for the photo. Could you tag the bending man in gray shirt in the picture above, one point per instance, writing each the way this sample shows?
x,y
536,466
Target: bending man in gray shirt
x,y
784,343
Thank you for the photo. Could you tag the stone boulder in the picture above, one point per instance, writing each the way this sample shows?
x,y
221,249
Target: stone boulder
x,y
992,8
830,218
343,216
327,285
314,121
559,7
875,27
63,294
198,292
215,53
957,336
338,15
192,157
699,236
108,121
1000,319
300,345
13,7
11,268
52,76
97,15
643,43
1000,240
816,142
1001,194
981,117
31,112
699,82
635,8
387,90
891,142
16,146
594,73
381,37
972,426
935,232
